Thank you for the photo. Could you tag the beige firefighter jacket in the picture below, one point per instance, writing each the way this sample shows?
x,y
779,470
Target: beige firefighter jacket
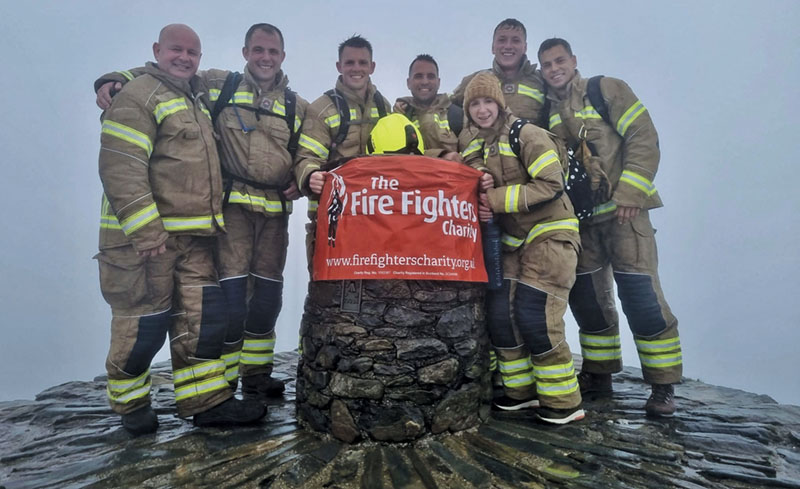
x,y
524,92
529,192
321,126
627,150
432,122
158,163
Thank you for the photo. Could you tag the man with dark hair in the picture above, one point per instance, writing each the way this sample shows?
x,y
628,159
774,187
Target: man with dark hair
x,y
338,123
162,206
608,121
257,163
437,118
522,85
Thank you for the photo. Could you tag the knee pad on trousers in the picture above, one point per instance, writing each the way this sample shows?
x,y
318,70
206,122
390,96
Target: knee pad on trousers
x,y
214,321
529,310
235,290
498,315
152,331
265,305
640,303
585,306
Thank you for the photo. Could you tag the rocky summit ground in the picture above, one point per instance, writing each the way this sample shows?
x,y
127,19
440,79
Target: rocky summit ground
x,y
720,438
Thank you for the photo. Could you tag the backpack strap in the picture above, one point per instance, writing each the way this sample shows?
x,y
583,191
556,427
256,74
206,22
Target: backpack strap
x,y
595,95
377,99
228,88
290,102
455,118
344,116
513,135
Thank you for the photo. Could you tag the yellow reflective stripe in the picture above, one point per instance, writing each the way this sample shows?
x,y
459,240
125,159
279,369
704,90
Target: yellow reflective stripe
x,y
107,218
588,112
278,108
630,115
474,146
213,94
199,371
200,388
231,359
531,92
313,205
314,146
373,113
511,240
232,373
520,380
443,124
604,208
135,221
256,358
656,346
127,74
189,223
542,161
661,361
127,390
597,340
119,386
492,360
512,198
124,398
505,149
169,107
557,388
515,365
554,371
601,355
259,345
638,181
128,134
242,98
545,227
258,201
333,121
297,123
205,111
555,120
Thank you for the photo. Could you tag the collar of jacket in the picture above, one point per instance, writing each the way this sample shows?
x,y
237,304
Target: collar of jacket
x,y
280,83
490,135
192,87
577,83
526,70
351,96
442,101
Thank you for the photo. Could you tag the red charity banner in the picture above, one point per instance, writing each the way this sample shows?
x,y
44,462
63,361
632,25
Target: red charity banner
x,y
400,217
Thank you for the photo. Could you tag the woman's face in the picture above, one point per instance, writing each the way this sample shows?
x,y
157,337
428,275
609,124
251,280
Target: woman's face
x,y
483,111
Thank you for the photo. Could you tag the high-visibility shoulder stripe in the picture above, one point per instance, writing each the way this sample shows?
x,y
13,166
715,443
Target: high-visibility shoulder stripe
x,y
139,219
443,124
630,115
547,158
169,107
638,181
588,112
213,94
531,92
128,134
242,98
333,121
374,113
191,223
555,120
237,197
511,203
505,149
278,108
127,74
314,146
472,147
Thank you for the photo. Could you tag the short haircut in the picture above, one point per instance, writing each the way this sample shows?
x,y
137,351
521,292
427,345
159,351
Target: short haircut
x,y
268,28
553,42
511,24
355,41
424,57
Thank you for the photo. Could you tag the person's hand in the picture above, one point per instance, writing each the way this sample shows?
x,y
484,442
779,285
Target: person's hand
x,y
453,156
400,107
152,252
625,214
486,182
104,94
484,211
292,192
316,181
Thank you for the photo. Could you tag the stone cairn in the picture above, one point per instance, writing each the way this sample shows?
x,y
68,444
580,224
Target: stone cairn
x,y
392,360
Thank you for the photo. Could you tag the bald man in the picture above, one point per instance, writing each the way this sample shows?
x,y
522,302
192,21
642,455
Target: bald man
x,y
162,208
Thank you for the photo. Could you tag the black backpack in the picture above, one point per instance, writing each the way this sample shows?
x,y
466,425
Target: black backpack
x,y
344,113
577,181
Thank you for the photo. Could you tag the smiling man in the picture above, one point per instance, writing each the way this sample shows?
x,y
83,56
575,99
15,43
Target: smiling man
x,y
256,139
521,84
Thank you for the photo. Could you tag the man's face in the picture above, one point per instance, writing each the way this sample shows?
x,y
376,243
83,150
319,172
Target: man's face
x,y
508,47
423,81
178,52
355,65
483,111
558,66
264,55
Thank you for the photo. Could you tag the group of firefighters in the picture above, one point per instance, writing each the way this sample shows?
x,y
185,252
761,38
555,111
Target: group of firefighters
x,y
199,171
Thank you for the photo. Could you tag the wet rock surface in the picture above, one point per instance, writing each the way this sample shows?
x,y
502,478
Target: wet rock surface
x,y
719,438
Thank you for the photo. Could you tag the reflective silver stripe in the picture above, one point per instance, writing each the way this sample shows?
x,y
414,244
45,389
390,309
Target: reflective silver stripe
x,y
128,134
124,398
657,346
630,115
256,358
601,355
120,386
595,340
605,208
554,371
518,380
474,146
314,146
189,223
638,181
169,107
205,369
557,388
140,219
555,120
258,201
199,388
661,361
531,92
242,98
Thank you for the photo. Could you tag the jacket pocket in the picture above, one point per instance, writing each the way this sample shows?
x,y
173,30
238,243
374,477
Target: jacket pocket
x,y
123,277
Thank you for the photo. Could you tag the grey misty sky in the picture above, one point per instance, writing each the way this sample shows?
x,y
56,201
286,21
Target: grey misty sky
x,y
719,78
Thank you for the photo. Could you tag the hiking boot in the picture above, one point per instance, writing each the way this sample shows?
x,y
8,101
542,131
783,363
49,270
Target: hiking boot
x,y
231,412
261,386
140,422
595,383
505,403
661,401
560,416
